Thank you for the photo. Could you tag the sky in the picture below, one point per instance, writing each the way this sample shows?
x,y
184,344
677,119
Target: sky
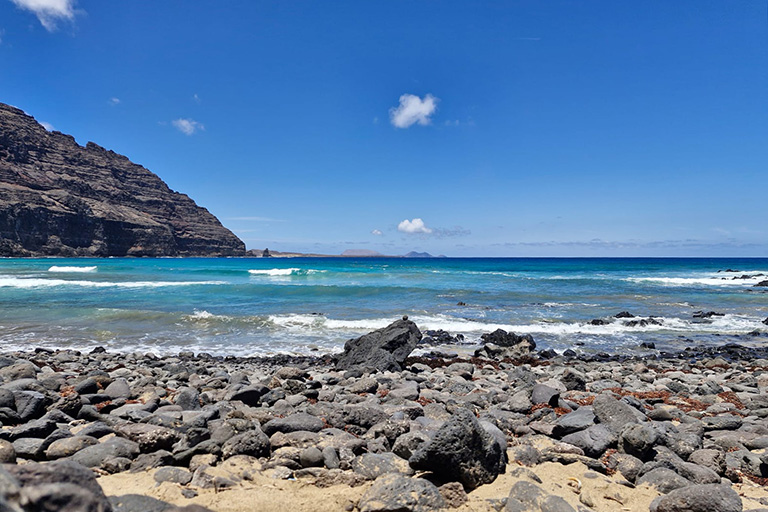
x,y
510,128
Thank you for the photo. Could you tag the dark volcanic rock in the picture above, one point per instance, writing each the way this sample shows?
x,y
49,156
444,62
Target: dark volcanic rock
x,y
392,492
462,450
58,198
383,349
699,498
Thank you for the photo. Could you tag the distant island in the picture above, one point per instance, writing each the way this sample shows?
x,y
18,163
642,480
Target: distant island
x,y
349,253
58,198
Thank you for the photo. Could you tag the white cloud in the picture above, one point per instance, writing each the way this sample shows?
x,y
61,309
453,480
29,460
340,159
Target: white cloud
x,y
49,12
377,232
413,110
114,101
187,126
196,98
47,126
413,226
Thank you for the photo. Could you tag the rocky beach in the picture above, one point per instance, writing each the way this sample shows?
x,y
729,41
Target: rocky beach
x,y
376,429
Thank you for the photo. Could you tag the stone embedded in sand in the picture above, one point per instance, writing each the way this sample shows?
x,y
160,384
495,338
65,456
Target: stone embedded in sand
x,y
396,493
699,498
529,497
462,450
384,349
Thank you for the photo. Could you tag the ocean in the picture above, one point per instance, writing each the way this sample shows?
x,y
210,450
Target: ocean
x,y
256,307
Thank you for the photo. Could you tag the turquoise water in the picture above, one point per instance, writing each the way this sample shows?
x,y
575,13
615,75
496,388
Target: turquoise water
x,y
305,305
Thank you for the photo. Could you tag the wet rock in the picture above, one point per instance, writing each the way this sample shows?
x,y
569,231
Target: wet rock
x,y
396,493
462,450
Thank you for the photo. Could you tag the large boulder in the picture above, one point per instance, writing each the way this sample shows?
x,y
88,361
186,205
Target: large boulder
x,y
384,349
462,450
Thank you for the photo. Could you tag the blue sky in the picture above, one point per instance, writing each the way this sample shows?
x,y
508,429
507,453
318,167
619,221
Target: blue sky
x,y
511,128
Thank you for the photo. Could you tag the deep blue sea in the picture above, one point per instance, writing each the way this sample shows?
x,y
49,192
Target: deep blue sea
x,y
251,307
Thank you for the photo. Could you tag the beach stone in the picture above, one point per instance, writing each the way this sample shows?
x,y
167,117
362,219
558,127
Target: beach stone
x,y
20,370
593,440
663,479
156,459
722,422
119,388
396,493
615,414
528,497
56,473
697,474
709,458
699,498
63,497
407,444
454,494
87,386
68,446
188,399
7,399
526,455
331,457
384,349
373,465
29,404
462,450
293,423
138,503
637,440
311,457
252,395
253,442
30,448
149,437
93,456
7,452
172,474
543,394
574,380
96,429
580,419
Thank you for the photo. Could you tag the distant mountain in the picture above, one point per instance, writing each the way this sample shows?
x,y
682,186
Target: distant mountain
x,y
361,253
58,198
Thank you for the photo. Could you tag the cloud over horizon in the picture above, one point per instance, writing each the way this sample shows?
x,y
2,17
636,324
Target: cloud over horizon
x,y
187,126
415,226
377,232
49,12
413,110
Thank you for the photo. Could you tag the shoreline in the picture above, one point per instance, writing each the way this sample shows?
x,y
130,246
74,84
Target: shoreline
x,y
233,433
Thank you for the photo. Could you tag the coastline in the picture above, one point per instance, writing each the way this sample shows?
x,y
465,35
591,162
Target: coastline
x,y
212,431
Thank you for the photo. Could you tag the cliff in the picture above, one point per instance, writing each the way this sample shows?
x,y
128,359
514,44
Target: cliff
x,y
58,198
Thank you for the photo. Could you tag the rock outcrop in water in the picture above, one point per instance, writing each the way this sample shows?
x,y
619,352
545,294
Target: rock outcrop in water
x,y
58,198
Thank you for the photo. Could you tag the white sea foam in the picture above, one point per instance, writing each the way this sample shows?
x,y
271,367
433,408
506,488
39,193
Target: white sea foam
x,y
283,272
728,324
24,283
698,281
57,268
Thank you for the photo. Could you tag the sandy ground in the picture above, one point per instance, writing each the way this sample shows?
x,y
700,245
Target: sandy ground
x,y
260,491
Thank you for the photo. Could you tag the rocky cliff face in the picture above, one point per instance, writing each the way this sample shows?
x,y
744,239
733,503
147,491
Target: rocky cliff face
x,y
58,198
